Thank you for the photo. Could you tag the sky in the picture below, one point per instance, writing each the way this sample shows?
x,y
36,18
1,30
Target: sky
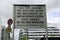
x,y
52,9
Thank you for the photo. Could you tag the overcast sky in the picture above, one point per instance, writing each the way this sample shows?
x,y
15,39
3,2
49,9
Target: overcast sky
x,y
53,9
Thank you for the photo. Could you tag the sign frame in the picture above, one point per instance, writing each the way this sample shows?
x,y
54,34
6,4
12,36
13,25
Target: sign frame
x,y
14,10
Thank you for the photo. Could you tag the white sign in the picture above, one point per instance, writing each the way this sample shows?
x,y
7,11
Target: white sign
x,y
33,16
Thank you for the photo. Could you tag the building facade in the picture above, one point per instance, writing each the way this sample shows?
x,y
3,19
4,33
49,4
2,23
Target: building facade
x,y
38,33
0,28
3,33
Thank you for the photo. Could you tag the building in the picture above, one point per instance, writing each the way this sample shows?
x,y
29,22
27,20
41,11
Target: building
x,y
3,33
0,28
38,33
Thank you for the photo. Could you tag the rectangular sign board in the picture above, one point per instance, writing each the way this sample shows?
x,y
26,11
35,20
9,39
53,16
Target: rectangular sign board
x,y
29,15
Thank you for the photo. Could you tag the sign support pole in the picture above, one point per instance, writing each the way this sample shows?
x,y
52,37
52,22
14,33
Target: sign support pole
x,y
9,36
46,25
46,34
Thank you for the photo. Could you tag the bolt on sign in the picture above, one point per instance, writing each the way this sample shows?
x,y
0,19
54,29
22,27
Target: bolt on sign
x,y
29,15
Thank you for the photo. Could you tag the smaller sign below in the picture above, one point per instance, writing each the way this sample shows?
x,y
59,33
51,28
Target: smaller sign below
x,y
8,29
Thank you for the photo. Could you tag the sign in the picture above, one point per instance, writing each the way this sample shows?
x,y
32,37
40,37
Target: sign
x,y
8,29
33,16
10,21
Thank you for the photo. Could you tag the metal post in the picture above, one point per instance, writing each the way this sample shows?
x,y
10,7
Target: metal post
x,y
46,33
9,36
13,33
27,31
20,35
46,25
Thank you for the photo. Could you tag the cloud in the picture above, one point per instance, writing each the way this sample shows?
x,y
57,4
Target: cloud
x,y
6,8
38,1
55,12
53,15
51,4
54,20
30,1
